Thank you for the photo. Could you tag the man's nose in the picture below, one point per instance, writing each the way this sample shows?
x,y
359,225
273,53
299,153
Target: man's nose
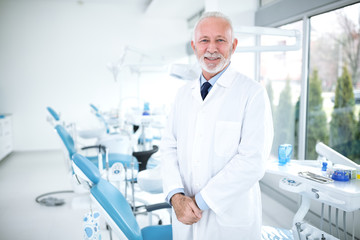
x,y
212,47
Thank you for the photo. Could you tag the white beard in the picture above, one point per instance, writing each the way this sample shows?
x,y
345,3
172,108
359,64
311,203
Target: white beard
x,y
213,68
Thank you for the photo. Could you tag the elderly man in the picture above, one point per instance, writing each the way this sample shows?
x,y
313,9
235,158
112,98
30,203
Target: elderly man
x,y
214,149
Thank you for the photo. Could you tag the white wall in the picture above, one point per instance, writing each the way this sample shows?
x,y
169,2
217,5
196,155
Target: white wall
x,y
54,53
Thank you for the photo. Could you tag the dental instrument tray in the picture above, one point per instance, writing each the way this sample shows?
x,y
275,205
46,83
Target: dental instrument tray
x,y
315,177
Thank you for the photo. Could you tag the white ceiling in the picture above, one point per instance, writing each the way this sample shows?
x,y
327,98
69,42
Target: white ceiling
x,y
182,9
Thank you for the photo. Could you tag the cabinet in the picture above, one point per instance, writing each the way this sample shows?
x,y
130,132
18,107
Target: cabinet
x,y
6,143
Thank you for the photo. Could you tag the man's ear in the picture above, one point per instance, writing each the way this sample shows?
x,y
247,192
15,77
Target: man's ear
x,y
234,44
193,46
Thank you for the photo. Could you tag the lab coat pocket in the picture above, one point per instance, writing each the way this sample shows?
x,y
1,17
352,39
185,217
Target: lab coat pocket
x,y
241,213
227,137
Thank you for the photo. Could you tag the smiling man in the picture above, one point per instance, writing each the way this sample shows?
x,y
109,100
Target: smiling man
x,y
214,149
213,44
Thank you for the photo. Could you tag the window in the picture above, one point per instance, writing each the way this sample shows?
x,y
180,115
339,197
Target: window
x,y
280,72
334,82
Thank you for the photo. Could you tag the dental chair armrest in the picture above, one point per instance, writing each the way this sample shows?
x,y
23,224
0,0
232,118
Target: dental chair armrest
x,y
100,147
157,206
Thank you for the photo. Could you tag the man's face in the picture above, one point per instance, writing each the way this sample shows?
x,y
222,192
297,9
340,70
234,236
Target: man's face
x,y
213,45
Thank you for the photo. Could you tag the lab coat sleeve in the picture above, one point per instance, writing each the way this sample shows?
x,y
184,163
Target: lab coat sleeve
x,y
248,166
170,167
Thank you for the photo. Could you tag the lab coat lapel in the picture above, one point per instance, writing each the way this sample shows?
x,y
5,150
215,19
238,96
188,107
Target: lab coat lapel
x,y
224,81
195,88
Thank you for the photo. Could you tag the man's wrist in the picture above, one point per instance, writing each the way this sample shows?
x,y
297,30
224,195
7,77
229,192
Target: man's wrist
x,y
172,193
176,196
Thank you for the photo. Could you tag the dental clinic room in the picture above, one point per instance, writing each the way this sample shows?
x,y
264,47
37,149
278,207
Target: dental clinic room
x,y
179,119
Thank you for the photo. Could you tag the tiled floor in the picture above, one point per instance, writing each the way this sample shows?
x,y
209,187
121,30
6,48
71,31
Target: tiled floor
x,y
26,175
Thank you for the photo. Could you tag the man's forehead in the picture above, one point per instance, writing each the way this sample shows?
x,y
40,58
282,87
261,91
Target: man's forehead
x,y
217,27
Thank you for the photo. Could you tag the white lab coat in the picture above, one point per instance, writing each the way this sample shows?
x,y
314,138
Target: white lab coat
x,y
219,147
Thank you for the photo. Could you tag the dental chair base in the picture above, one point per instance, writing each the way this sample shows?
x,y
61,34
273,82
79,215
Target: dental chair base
x,y
306,231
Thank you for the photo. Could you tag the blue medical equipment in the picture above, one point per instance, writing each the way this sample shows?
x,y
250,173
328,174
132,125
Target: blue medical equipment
x,y
108,121
119,168
54,119
53,113
101,118
94,107
126,160
113,205
117,161
341,175
116,141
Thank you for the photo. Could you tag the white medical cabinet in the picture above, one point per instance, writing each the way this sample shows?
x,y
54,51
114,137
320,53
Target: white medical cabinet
x,y
6,143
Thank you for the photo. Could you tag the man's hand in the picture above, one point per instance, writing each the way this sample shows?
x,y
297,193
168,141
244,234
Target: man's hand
x,y
185,209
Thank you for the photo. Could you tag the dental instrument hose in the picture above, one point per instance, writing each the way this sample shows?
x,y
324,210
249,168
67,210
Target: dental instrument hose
x,y
51,201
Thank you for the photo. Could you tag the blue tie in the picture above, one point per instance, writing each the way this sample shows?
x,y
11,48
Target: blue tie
x,y
204,89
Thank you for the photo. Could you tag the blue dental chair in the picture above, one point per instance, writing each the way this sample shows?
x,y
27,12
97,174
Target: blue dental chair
x,y
118,166
113,205
109,160
112,157
100,117
110,123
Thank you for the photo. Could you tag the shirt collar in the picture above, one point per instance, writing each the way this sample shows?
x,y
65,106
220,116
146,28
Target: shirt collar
x,y
212,80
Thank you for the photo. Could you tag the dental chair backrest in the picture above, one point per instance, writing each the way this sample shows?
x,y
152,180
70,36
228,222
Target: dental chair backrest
x,y
113,205
100,117
66,139
85,170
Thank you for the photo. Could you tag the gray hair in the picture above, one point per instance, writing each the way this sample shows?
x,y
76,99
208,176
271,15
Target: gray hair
x,y
214,15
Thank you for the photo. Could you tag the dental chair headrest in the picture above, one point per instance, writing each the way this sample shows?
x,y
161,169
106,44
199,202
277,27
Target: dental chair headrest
x,y
90,171
93,107
53,113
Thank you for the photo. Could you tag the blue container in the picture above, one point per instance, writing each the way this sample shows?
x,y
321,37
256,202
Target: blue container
x,y
284,153
341,175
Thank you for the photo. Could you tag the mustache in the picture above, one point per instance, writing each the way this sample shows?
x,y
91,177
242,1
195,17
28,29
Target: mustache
x,y
213,55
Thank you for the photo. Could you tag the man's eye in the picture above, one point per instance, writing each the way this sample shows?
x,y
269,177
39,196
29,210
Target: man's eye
x,y
221,40
204,40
